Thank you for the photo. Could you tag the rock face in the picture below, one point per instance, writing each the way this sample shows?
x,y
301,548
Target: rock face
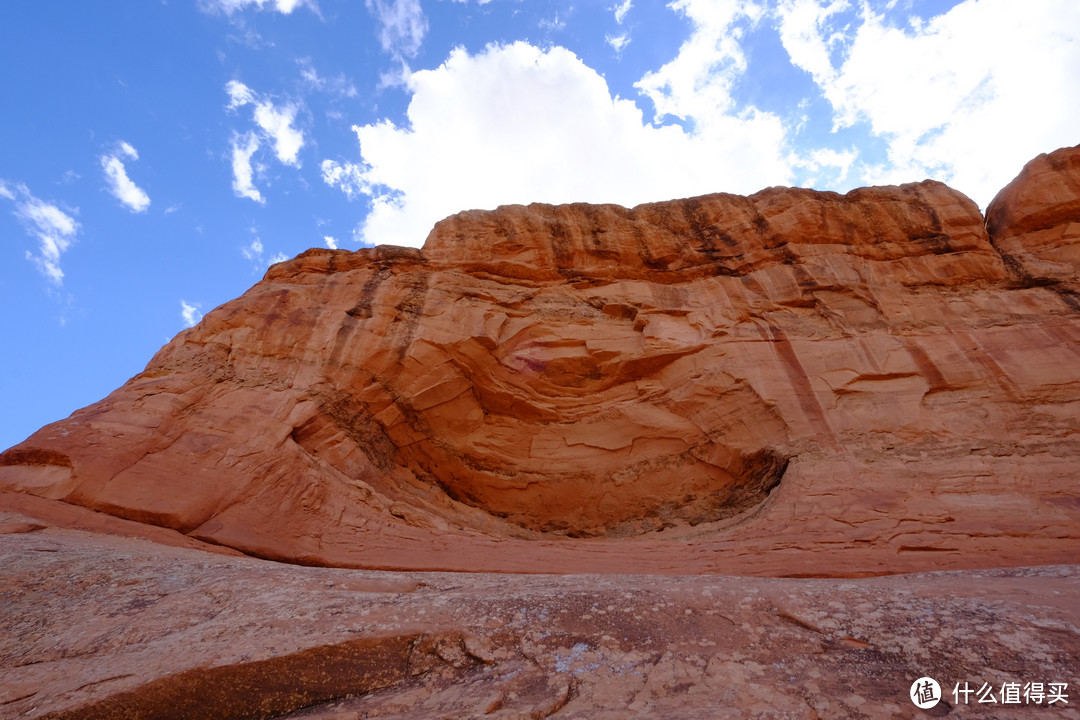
x,y
791,383
1035,224
794,384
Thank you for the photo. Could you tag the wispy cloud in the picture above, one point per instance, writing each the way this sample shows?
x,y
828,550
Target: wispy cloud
x,y
350,178
54,229
697,85
191,313
339,85
951,96
826,167
274,120
277,124
554,25
119,184
255,252
402,25
617,42
274,125
228,7
243,147
331,242
239,94
395,77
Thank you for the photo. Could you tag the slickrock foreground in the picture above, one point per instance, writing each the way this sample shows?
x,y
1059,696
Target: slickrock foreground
x,y
794,384
177,633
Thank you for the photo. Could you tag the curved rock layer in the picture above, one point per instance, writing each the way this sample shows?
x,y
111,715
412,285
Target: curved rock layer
x,y
791,383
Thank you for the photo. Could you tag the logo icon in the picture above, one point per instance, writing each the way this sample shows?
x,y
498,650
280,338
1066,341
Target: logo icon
x,y
925,693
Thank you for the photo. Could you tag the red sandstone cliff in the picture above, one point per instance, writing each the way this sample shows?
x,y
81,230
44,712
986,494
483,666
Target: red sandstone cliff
x,y
791,383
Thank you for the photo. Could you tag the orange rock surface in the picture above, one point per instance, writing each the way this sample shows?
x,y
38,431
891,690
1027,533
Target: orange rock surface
x,y
793,383
100,628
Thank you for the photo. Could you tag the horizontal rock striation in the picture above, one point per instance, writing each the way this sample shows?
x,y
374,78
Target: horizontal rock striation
x,y
790,383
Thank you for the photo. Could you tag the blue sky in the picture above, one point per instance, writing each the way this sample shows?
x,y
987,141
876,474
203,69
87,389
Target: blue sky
x,y
159,155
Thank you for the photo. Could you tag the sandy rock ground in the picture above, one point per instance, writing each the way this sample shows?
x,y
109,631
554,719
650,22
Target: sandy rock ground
x,y
95,626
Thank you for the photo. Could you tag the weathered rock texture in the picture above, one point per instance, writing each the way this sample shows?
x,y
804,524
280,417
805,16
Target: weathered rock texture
x,y
98,627
791,383
1035,224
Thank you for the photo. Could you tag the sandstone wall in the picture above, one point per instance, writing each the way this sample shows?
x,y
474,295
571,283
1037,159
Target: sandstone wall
x,y
791,383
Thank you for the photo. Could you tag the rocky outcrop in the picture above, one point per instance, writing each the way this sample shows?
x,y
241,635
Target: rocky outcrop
x,y
791,383
1035,224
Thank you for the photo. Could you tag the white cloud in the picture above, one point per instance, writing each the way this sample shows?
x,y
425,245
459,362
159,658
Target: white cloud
x,y
119,184
275,126
230,6
331,242
966,97
54,229
804,32
190,313
239,94
617,42
254,251
517,124
620,11
395,77
696,86
826,168
276,123
554,25
347,177
402,25
242,150
338,85
842,161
